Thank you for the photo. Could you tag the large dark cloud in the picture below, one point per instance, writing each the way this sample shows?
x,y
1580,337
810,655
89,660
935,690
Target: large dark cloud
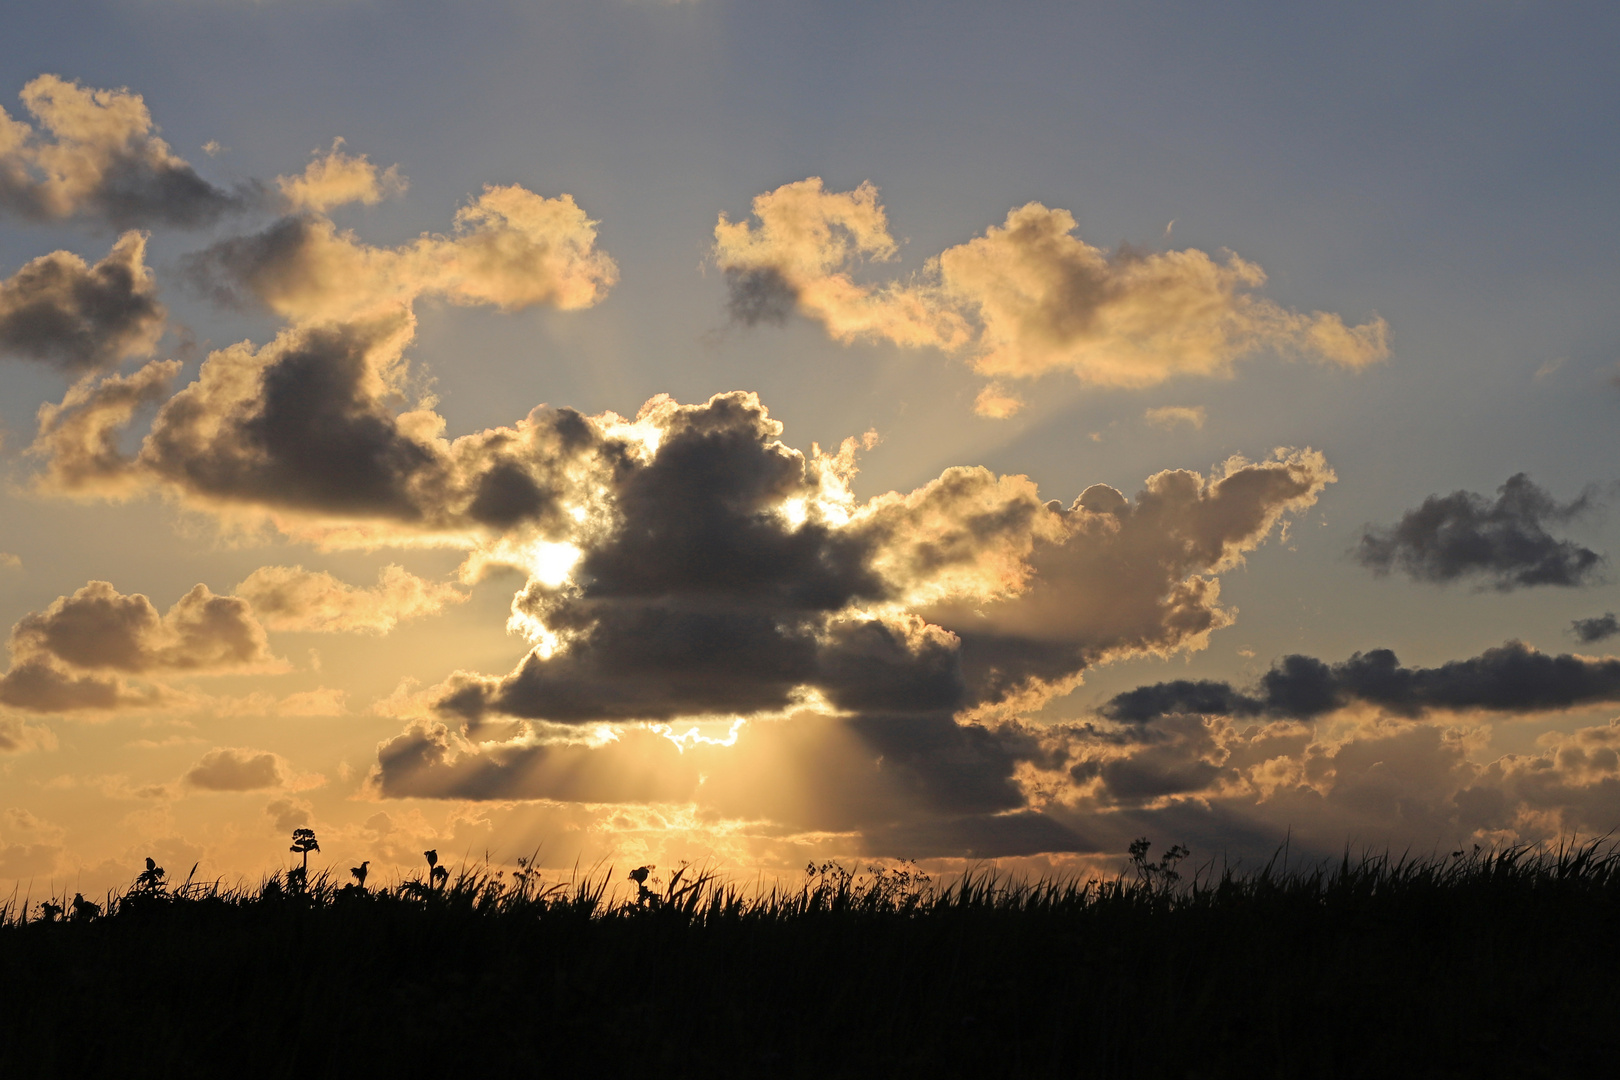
x,y
1505,543
726,583
1512,678
100,158
59,310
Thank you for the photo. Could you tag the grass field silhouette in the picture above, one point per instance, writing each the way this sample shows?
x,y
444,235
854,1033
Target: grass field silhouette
x,y
1476,963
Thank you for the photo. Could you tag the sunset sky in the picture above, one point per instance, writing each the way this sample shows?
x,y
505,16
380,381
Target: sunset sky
x,y
761,432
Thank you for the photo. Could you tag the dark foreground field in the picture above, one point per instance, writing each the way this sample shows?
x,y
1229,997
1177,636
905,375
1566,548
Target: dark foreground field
x,y
1499,964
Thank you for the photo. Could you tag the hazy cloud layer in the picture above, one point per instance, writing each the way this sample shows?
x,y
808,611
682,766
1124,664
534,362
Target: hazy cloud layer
x,y
97,156
915,785
76,653
292,598
1026,298
1243,787
62,311
1221,772
1504,543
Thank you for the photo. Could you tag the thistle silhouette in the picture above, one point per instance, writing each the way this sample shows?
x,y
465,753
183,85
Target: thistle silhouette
x,y
437,875
639,875
303,843
359,873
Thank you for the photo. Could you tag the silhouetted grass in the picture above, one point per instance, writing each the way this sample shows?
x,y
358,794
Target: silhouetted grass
x,y
1482,964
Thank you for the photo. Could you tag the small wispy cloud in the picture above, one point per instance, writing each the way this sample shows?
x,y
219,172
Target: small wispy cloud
x,y
1169,417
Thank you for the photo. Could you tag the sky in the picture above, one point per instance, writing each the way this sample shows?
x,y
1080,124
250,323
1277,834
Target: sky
x,y
625,432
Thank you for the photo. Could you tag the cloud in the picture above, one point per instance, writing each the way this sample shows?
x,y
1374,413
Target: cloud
x,y
511,249
98,157
311,429
996,402
907,785
291,598
1511,678
78,439
338,178
1598,628
289,814
1505,542
64,312
31,847
241,769
1120,578
1170,417
17,737
1024,299
76,652
799,257
9,561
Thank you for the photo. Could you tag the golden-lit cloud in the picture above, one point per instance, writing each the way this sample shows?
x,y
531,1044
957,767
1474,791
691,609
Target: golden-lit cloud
x,y
234,768
295,599
62,311
800,256
1025,299
510,249
78,439
337,178
77,652
98,156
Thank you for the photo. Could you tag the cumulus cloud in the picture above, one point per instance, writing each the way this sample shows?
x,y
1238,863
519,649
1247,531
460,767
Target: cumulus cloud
x,y
1598,628
295,599
1511,678
511,249
62,311
1123,578
97,156
233,768
336,178
1170,417
313,429
1024,299
1504,543
76,652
